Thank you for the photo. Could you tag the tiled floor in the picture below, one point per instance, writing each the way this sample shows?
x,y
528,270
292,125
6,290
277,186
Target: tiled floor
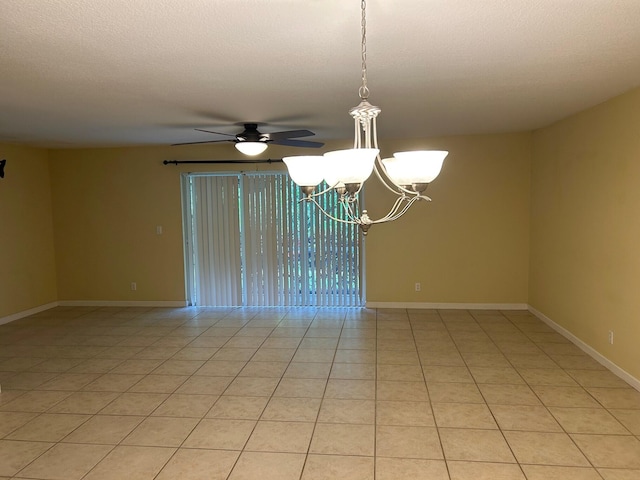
x,y
136,394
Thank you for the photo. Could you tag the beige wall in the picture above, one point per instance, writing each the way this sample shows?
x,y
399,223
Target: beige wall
x,y
585,227
27,266
469,245
107,205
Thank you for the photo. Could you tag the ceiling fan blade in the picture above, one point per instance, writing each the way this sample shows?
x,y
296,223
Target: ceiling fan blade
x,y
206,141
297,143
289,134
217,133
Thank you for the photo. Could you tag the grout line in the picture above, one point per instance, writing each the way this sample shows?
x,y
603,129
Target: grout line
x,y
426,384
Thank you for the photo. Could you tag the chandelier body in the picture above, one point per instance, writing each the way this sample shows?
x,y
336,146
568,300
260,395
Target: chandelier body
x,y
407,174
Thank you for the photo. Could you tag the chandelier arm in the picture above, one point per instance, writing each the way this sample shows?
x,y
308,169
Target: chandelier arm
x,y
396,212
367,130
350,207
374,132
327,214
404,209
387,182
391,214
326,190
381,171
396,215
349,212
402,212
393,211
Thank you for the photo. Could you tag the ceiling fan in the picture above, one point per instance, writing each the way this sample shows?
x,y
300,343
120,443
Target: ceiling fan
x,y
253,142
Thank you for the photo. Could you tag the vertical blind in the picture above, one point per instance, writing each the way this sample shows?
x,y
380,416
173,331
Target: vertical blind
x,y
254,244
218,278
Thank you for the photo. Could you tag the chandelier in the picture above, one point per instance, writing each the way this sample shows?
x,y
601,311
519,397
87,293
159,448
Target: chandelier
x,y
406,174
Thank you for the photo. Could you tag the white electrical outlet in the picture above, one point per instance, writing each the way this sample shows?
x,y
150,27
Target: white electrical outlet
x,y
611,337
134,286
418,287
159,230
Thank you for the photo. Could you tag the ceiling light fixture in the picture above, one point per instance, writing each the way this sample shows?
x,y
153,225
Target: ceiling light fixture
x,y
251,148
407,174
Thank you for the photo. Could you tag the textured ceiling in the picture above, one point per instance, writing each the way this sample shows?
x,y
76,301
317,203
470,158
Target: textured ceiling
x,y
136,72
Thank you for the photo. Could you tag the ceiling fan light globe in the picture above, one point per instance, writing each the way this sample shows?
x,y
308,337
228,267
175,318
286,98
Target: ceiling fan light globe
x,y
305,170
251,148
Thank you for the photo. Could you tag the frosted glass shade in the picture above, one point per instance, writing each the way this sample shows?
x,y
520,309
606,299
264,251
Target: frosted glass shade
x,y
305,171
251,148
331,175
349,166
423,166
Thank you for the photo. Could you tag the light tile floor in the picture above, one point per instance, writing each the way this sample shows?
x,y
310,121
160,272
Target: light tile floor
x,y
134,393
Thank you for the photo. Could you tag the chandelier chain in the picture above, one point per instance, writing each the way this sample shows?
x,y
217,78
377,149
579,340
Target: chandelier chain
x,y
364,89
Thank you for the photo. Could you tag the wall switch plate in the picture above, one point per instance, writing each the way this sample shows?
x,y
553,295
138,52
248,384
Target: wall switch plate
x,y
159,230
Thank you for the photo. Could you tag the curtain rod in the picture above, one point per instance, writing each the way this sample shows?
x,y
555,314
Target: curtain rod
x,y
179,162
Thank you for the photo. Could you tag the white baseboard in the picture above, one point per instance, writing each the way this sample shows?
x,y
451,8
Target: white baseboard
x,y
449,306
592,352
26,313
118,303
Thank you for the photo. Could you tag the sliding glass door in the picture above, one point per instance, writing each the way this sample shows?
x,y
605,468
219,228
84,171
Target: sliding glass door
x,y
248,241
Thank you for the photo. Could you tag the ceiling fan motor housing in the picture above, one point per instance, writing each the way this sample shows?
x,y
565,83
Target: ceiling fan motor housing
x,y
251,134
